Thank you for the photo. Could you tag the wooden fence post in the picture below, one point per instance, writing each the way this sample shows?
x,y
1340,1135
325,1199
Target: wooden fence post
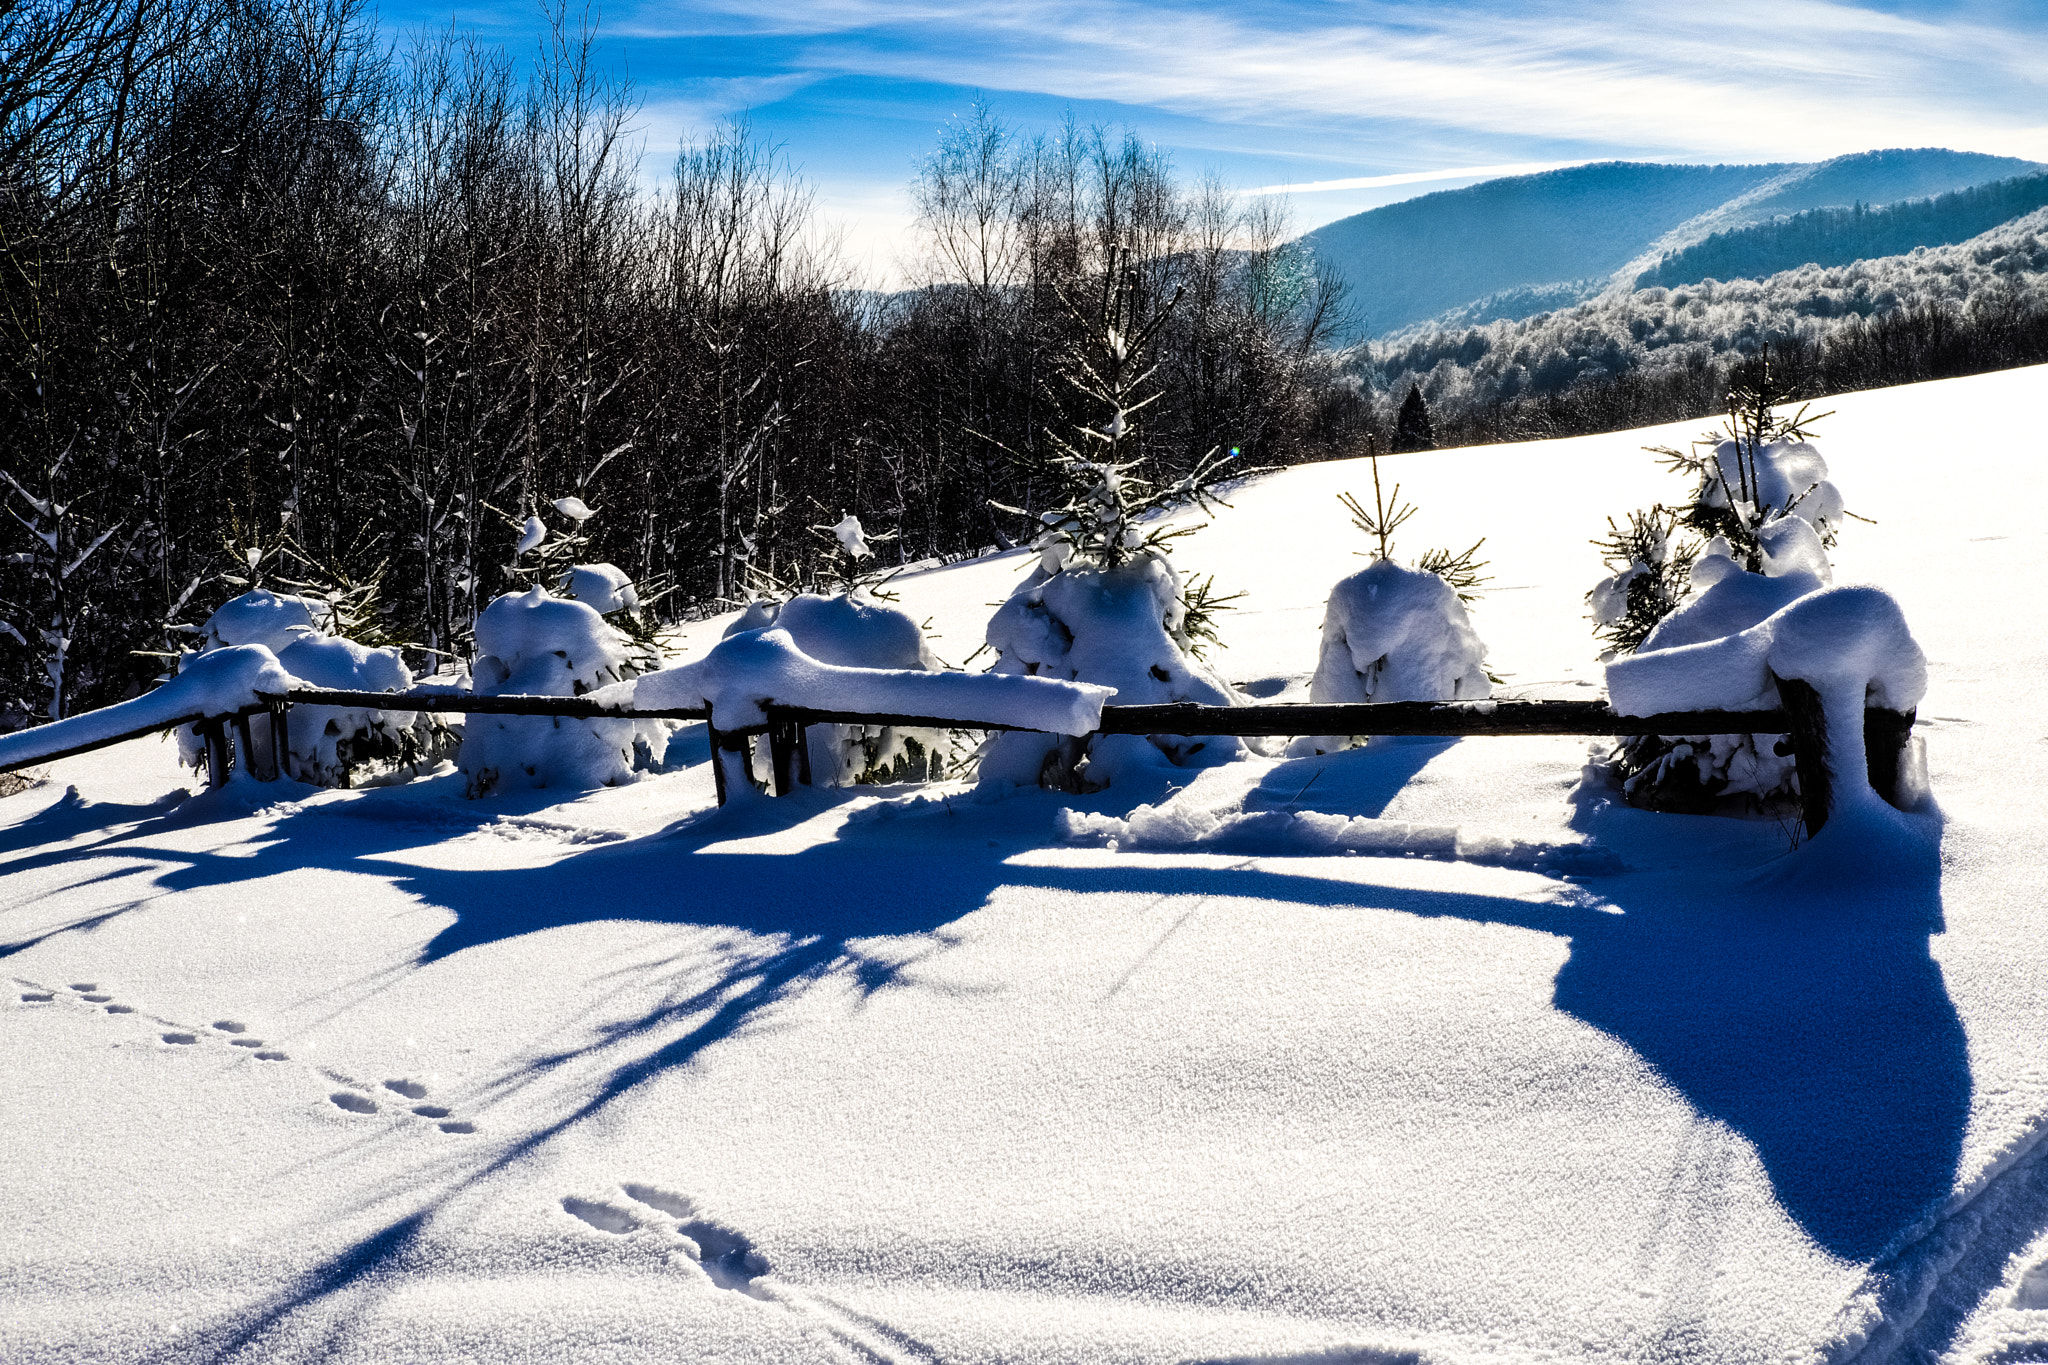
x,y
214,729
1886,735
788,750
1809,736
280,737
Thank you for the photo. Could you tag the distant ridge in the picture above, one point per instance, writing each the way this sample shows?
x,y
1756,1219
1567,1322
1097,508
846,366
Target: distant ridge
x,y
1837,236
1544,238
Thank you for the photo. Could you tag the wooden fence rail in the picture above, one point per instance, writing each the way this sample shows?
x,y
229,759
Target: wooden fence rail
x,y
1800,719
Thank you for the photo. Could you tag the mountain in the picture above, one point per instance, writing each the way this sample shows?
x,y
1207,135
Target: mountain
x,y
1836,236
1565,235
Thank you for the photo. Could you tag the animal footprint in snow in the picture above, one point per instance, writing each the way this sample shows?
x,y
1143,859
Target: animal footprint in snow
x,y
354,1103
273,1056
38,997
727,1258
181,1039
412,1090
603,1217
654,1197
230,1026
120,1009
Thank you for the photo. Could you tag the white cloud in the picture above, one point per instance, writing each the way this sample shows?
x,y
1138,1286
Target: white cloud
x,y
1375,182
1791,79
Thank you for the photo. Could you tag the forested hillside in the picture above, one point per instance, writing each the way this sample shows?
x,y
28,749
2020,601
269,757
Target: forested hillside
x,y
1512,247
1838,236
1631,358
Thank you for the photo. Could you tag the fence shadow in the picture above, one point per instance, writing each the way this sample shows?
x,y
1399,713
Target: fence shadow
x,y
1802,1008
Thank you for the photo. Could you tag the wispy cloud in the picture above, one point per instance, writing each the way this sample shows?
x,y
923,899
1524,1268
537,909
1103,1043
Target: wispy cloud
x,y
1787,79
1377,182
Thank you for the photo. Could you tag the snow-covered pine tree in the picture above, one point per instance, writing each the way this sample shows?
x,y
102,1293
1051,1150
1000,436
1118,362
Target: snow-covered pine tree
x,y
1104,604
1396,633
1412,430
1763,503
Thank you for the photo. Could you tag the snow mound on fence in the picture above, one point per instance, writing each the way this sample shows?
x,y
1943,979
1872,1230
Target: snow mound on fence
x,y
1851,644
217,683
534,644
849,630
1178,828
746,672
853,630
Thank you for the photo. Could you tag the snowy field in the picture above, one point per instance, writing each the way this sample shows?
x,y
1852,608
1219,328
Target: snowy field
x,y
388,1075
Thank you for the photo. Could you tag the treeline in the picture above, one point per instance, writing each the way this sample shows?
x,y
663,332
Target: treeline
x,y
1633,358
1929,339
1837,236
284,306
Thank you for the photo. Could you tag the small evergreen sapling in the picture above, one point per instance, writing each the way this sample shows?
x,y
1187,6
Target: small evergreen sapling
x,y
1761,505
1395,633
1104,603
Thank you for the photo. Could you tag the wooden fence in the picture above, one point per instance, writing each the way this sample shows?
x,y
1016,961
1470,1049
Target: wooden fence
x,y
1800,719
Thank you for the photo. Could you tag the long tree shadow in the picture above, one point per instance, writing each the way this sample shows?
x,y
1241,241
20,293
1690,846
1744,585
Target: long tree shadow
x,y
1802,1009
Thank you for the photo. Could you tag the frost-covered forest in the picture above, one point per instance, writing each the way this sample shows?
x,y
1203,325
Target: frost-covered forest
x,y
1634,357
1839,236
288,303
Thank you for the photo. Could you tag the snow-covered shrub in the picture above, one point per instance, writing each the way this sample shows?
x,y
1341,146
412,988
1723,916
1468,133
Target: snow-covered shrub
x,y
1392,633
327,743
534,644
1850,644
1762,494
853,630
1104,604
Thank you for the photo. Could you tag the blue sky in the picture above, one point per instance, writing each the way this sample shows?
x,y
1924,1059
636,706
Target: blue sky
x,y
1308,92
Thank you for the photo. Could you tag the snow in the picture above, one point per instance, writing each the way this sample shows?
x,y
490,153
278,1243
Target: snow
x,y
262,617
1391,633
535,644
219,682
1781,476
966,1091
1120,628
748,670
604,588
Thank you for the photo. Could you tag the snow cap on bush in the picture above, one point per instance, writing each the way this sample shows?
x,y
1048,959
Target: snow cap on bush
x,y
604,588
327,740
262,617
538,645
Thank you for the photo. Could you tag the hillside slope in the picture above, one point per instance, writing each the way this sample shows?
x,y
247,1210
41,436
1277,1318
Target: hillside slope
x,y
1839,236
1561,235
891,1075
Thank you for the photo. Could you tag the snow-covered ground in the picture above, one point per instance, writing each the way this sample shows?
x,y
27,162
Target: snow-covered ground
x,y
387,1074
